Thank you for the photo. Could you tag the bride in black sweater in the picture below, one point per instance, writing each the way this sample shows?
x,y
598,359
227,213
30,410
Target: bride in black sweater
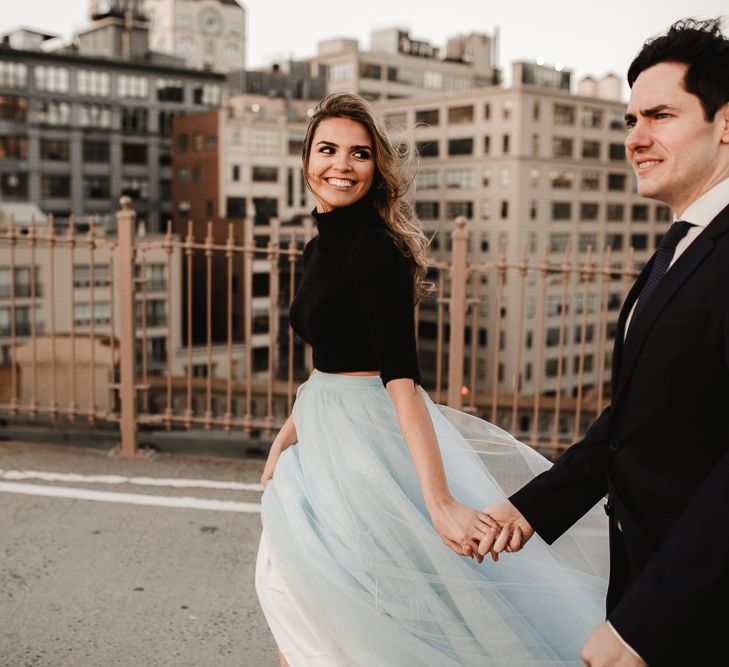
x,y
351,568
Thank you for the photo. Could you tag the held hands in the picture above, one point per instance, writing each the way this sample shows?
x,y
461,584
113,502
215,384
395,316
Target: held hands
x,y
460,527
513,530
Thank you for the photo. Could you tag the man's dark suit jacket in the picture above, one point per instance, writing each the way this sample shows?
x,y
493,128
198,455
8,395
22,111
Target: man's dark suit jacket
x,y
661,453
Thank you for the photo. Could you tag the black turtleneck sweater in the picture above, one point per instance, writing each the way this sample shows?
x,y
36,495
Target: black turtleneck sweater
x,y
354,305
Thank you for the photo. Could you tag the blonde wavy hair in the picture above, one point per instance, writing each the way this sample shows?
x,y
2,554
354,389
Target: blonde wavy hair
x,y
391,181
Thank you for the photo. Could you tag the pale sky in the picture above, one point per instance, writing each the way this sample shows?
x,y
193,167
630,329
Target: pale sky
x,y
587,36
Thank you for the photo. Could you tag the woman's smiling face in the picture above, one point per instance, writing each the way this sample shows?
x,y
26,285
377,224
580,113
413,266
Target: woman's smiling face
x,y
341,163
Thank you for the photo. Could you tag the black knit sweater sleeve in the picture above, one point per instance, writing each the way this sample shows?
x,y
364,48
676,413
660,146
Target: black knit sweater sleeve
x,y
382,278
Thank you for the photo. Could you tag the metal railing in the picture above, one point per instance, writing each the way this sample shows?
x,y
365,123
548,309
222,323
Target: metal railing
x,y
130,365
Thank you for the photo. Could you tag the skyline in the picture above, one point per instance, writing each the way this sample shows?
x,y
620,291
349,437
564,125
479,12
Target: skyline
x,y
573,42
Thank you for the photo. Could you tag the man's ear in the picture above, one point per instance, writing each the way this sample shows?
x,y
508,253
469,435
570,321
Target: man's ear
x,y
723,113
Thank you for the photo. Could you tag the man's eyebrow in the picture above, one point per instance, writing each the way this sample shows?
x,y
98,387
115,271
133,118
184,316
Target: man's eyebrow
x,y
649,113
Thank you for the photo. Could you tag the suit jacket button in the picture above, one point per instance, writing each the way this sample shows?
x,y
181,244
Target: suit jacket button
x,y
614,445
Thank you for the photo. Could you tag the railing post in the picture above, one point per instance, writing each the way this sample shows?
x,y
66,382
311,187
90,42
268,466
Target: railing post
x,y
457,312
125,221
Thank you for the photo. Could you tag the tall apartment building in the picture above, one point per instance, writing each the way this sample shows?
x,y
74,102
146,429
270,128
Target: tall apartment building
x,y
242,164
83,125
530,166
396,65
208,34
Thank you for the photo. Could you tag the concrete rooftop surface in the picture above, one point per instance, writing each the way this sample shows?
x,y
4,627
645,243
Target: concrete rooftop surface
x,y
145,563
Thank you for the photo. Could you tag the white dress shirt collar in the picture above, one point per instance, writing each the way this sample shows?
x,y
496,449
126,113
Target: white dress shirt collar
x,y
708,205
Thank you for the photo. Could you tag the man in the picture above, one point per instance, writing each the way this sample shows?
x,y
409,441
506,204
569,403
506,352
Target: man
x,y
661,450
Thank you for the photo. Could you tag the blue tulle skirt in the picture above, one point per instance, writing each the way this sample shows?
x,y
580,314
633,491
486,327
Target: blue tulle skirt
x,y
349,537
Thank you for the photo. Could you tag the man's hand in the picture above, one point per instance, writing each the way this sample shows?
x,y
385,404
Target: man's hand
x,y
515,530
604,649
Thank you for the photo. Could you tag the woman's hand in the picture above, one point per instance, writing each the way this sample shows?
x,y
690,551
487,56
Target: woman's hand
x,y
283,440
461,527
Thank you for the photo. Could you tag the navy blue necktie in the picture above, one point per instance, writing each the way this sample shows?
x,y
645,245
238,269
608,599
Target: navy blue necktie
x,y
662,262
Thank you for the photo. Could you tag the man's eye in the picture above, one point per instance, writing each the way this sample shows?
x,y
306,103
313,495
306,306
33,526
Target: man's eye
x,y
629,124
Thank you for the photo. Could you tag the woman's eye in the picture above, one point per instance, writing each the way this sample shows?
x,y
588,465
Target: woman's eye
x,y
362,155
326,150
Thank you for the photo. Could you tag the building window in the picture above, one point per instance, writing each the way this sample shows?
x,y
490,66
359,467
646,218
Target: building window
x,y
460,146
558,242
462,114
590,181
55,187
197,174
52,112
14,185
561,210
639,241
13,75
504,209
266,208
93,83
82,313
51,79
95,115
95,151
235,175
58,150
296,143
182,142
616,152
564,115
485,214
132,86
427,210
96,187
663,213
562,180
615,212
589,211
135,187
207,95
155,311
134,154
459,178
345,72
427,148
585,241
13,147
504,177
235,207
170,90
183,175
82,275
616,182
265,142
12,108
427,117
370,71
591,149
562,147
639,213
486,145
614,241
456,208
505,144
134,120
591,117
265,174
427,179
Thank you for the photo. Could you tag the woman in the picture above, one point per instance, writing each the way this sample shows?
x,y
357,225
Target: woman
x,y
351,568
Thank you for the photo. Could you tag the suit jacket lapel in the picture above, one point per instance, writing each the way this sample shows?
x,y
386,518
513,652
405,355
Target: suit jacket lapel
x,y
684,266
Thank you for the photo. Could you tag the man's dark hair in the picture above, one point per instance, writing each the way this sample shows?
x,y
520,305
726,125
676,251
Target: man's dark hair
x,y
700,45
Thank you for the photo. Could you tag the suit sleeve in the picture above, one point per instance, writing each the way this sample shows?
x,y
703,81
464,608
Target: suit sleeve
x,y
553,501
383,279
688,578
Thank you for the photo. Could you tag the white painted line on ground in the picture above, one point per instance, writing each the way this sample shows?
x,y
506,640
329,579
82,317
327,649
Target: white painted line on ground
x,y
74,478
129,498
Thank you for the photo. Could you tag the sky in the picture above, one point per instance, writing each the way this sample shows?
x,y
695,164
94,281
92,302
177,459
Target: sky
x,y
588,36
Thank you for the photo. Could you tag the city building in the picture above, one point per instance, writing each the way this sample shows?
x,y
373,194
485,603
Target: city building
x,y
396,65
208,34
84,124
241,165
531,166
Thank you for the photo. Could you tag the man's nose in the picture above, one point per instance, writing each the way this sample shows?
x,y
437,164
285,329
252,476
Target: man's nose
x,y
638,137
